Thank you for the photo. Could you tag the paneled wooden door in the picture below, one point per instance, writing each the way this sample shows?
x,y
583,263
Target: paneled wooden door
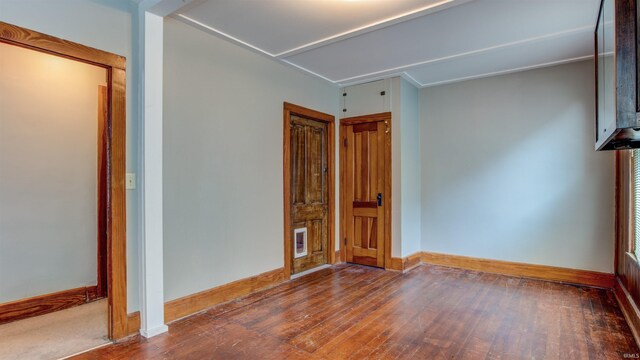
x,y
366,189
309,200
309,189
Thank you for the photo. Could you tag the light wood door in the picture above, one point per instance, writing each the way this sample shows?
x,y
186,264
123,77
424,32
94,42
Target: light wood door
x,y
309,194
365,203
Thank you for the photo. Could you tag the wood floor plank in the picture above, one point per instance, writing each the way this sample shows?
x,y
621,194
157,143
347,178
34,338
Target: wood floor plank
x,y
430,312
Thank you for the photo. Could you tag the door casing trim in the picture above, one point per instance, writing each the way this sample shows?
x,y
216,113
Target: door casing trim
x,y
116,150
292,109
386,117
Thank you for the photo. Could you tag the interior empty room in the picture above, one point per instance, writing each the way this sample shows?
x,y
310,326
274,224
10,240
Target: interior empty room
x,y
319,179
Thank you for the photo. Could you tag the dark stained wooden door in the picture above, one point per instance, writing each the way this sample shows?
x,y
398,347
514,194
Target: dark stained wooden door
x,y
364,193
309,195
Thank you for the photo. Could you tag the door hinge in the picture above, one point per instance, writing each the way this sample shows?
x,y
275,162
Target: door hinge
x,y
344,142
345,241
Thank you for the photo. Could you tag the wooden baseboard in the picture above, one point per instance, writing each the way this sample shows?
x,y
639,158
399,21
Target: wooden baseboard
x,y
629,309
411,261
542,272
44,304
406,263
191,304
395,264
133,323
338,258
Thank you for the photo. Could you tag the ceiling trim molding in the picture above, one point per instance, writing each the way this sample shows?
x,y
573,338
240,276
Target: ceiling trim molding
x,y
162,7
377,25
411,79
509,71
469,53
207,28
305,70
401,74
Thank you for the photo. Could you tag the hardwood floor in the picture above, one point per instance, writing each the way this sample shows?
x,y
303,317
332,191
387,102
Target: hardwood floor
x,y
431,312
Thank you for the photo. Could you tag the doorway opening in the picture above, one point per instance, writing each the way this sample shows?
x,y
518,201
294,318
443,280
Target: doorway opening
x,y
365,189
105,213
309,200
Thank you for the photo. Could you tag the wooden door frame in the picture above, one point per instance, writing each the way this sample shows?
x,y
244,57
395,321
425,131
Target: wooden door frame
x,y
291,109
116,150
387,118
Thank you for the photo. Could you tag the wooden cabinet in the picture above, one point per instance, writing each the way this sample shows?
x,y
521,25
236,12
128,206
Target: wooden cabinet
x,y
617,95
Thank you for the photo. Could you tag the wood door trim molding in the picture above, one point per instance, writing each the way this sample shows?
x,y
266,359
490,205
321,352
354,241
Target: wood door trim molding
x,y
44,304
309,113
389,264
627,289
103,140
534,271
386,116
52,45
629,308
288,110
116,122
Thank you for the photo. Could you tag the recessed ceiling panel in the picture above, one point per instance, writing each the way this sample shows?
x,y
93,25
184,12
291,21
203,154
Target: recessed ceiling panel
x,y
477,26
513,58
434,41
277,26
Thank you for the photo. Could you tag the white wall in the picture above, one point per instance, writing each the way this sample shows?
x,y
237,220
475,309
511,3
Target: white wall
x,y
223,206
410,169
105,25
48,173
396,167
509,171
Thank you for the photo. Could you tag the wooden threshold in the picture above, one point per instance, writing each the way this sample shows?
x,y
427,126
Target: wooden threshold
x,y
44,304
542,272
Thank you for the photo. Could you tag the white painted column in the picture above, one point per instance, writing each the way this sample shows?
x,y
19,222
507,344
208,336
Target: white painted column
x,y
151,15
151,247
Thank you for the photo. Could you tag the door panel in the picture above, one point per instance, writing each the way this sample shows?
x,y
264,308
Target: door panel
x,y
364,181
309,185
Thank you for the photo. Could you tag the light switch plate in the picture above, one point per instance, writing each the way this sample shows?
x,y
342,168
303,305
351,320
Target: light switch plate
x,y
130,181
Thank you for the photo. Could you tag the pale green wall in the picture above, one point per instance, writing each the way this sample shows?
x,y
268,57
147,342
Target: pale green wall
x,y
223,210
509,170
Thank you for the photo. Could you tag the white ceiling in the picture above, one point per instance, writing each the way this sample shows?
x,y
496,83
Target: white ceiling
x,y
428,42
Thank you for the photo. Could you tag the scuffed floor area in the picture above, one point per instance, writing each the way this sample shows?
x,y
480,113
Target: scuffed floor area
x,y
431,312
